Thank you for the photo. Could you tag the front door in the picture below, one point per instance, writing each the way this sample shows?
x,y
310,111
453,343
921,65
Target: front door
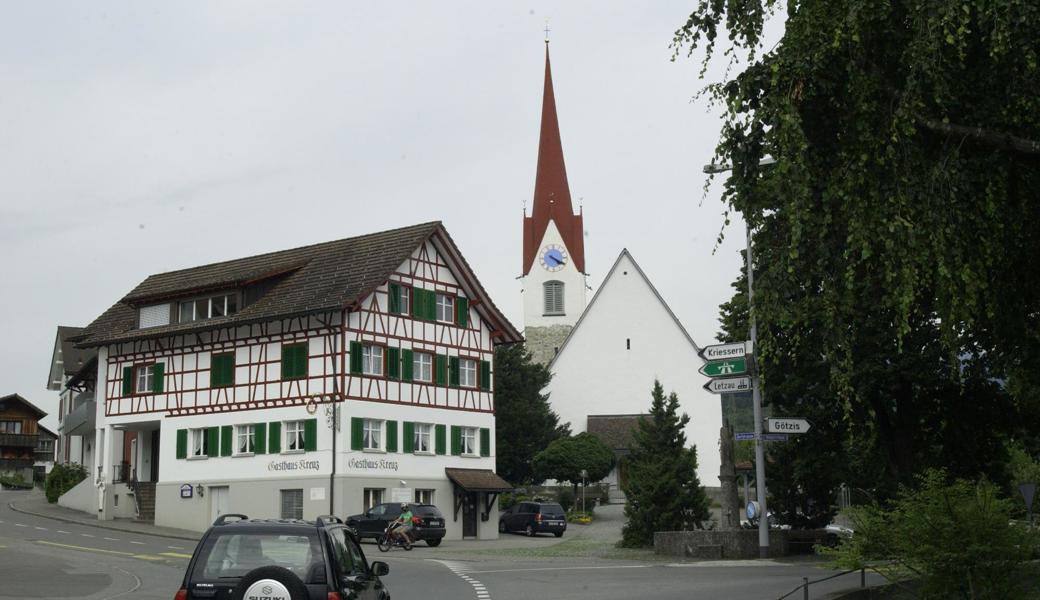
x,y
218,501
469,515
154,467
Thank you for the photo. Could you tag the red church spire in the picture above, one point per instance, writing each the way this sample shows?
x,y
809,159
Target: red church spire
x,y
552,196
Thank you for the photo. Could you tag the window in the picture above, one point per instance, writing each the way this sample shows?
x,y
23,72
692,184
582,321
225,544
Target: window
x,y
422,367
10,426
469,441
345,554
292,504
294,361
422,441
553,297
372,497
230,555
445,308
154,315
372,360
406,300
198,309
199,443
222,370
424,496
245,439
145,379
372,437
468,373
295,438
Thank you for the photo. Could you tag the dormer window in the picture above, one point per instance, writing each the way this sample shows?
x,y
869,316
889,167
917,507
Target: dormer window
x,y
198,309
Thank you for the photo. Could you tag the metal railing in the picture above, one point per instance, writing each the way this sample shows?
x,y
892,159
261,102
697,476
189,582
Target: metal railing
x,y
806,582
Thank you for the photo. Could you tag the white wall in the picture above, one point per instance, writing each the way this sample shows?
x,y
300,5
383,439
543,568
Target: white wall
x,y
596,374
573,280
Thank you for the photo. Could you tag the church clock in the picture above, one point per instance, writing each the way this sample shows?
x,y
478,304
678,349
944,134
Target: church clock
x,y
553,257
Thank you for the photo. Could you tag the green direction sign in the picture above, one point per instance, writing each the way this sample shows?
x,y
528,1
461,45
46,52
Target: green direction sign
x,y
725,368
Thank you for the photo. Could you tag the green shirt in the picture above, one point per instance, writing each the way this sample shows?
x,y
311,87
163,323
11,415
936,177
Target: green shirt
x,y
406,518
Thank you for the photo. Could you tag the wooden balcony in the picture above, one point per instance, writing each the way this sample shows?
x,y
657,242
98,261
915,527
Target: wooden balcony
x,y
15,463
18,440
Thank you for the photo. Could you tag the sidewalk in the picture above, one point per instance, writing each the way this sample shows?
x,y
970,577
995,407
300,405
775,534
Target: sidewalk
x,y
35,503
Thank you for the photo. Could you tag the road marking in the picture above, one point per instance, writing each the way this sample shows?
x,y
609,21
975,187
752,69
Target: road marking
x,y
42,528
65,532
174,555
112,539
175,548
138,543
20,525
86,535
564,568
100,550
461,569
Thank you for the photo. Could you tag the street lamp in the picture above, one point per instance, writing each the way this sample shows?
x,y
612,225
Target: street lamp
x,y
756,386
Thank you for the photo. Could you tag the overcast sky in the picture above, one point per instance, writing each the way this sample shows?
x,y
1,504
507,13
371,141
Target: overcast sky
x,y
141,137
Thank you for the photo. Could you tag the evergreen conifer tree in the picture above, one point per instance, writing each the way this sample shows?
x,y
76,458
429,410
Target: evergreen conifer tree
x,y
662,489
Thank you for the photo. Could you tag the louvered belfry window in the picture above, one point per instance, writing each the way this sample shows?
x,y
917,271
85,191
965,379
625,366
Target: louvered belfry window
x,y
553,297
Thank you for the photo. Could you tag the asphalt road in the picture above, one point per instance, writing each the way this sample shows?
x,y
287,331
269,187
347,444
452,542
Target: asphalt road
x,y
44,558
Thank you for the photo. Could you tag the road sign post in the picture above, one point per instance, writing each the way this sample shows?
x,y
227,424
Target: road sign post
x,y
729,384
725,368
788,425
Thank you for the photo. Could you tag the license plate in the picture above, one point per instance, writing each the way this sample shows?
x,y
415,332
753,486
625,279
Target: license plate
x,y
432,523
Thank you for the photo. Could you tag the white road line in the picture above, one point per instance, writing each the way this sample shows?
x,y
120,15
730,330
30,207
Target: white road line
x,y
65,532
138,543
175,548
112,539
565,568
461,570
42,528
86,535
20,525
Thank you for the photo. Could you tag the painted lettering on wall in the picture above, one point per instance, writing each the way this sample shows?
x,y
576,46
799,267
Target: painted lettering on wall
x,y
294,465
366,464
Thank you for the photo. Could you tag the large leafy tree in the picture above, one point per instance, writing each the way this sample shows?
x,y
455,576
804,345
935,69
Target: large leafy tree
x,y
567,457
895,234
525,424
662,491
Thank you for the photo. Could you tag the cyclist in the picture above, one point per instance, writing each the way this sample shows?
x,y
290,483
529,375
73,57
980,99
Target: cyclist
x,y
403,524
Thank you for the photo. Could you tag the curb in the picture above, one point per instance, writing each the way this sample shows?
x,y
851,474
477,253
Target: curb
x,y
98,524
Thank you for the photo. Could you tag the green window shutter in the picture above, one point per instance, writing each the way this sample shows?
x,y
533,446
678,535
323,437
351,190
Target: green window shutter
x,y
485,375
485,441
416,302
128,381
310,435
439,434
355,357
222,370
408,443
407,364
357,429
462,312
391,436
274,437
219,440
431,305
440,370
182,443
393,363
453,371
456,440
301,360
157,377
394,294
288,361
260,439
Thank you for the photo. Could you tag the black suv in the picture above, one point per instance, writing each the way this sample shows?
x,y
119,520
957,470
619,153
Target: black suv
x,y
285,559
427,522
534,517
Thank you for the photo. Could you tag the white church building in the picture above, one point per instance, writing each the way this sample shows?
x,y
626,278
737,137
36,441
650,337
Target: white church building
x,y
604,358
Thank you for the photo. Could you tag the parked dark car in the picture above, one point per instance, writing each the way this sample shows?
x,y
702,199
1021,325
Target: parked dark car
x,y
281,559
533,518
427,522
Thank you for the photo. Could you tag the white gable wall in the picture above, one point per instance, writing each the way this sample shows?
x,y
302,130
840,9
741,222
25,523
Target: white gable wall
x,y
596,374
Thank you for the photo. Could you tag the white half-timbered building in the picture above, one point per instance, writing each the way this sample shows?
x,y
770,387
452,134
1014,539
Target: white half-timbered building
x,y
323,379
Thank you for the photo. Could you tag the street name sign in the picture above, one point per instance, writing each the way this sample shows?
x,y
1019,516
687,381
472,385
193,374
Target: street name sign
x,y
774,437
724,368
793,425
724,351
743,436
729,384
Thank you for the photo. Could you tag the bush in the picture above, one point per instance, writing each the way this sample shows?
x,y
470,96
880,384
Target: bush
x,y
953,537
581,518
565,497
15,481
61,479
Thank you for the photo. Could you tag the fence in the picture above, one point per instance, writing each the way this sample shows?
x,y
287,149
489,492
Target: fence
x,y
806,582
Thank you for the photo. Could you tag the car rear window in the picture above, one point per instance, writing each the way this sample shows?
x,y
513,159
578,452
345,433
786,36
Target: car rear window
x,y
229,555
426,510
552,510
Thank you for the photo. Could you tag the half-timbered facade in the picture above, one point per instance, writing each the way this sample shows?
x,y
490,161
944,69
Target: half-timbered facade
x,y
321,379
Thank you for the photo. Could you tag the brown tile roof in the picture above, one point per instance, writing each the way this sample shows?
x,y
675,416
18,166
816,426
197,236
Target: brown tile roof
x,y
10,399
478,480
614,430
327,276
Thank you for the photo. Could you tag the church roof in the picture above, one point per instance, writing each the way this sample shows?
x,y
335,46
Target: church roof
x,y
612,273
552,195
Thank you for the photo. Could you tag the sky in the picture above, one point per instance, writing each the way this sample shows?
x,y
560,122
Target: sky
x,y
140,137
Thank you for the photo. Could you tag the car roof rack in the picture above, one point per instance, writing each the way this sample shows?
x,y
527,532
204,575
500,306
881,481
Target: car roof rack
x,y
324,519
222,519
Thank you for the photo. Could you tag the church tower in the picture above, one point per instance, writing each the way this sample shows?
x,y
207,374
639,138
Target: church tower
x,y
554,246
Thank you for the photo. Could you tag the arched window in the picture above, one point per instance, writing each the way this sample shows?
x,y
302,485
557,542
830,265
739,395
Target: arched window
x,y
553,297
